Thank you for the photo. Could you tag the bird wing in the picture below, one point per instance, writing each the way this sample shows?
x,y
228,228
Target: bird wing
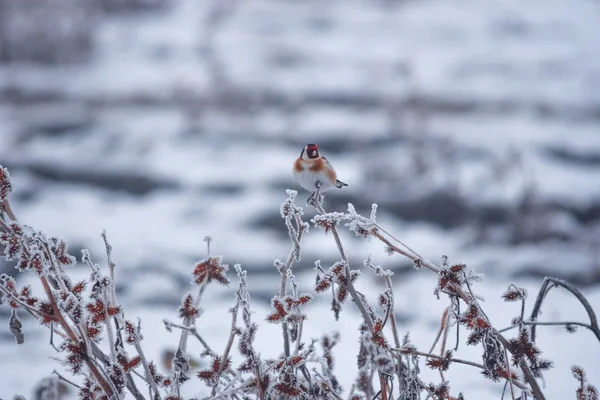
x,y
331,174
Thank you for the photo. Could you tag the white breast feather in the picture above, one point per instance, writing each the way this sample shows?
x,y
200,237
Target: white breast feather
x,y
308,180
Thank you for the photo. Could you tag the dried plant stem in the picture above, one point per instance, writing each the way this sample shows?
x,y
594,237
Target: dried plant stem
x,y
529,377
188,321
442,326
183,340
111,298
58,317
149,379
398,240
62,378
510,380
392,317
288,264
8,210
431,355
130,384
561,323
231,392
350,286
37,314
109,331
300,325
424,262
232,334
547,285
194,332
111,268
104,383
444,340
259,386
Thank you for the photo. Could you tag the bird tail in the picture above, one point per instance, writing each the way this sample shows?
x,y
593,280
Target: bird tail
x,y
340,184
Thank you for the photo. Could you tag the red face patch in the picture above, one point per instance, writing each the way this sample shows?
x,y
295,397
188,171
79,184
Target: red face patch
x,y
312,151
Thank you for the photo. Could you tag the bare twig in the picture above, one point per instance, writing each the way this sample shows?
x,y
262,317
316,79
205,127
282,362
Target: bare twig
x,y
431,355
8,210
349,286
509,374
193,331
442,327
62,378
548,284
233,332
300,227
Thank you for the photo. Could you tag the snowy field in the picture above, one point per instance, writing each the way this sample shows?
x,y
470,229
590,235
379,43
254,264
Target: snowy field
x,y
474,125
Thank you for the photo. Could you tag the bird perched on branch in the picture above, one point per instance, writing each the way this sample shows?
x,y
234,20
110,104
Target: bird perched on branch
x,y
313,172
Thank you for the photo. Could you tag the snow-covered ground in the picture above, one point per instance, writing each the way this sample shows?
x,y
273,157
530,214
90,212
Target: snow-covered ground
x,y
474,125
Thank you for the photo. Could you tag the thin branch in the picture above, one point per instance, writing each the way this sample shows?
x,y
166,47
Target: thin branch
x,y
509,374
548,284
431,355
149,378
62,378
234,312
193,331
288,264
349,284
8,210
439,334
563,323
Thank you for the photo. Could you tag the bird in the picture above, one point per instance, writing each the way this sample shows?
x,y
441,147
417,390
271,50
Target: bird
x,y
313,172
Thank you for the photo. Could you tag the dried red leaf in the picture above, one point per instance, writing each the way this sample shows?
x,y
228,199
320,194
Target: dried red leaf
x,y
187,309
211,268
514,294
79,287
322,285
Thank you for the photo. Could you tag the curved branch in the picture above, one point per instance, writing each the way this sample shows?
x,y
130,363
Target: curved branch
x,y
550,283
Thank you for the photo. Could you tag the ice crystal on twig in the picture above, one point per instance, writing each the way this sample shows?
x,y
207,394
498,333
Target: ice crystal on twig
x,y
359,225
328,220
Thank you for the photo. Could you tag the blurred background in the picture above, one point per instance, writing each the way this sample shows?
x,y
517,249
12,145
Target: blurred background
x,y
474,125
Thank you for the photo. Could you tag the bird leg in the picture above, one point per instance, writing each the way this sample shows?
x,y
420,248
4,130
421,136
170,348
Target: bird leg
x,y
315,197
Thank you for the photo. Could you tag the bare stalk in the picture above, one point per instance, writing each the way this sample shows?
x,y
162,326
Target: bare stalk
x,y
104,383
550,283
193,331
349,284
149,378
8,210
62,378
183,340
288,265
232,334
436,356
509,374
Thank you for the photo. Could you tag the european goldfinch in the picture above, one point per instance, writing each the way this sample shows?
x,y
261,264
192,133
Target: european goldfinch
x,y
313,172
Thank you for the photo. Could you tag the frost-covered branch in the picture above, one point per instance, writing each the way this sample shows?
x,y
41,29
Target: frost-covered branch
x,y
291,213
